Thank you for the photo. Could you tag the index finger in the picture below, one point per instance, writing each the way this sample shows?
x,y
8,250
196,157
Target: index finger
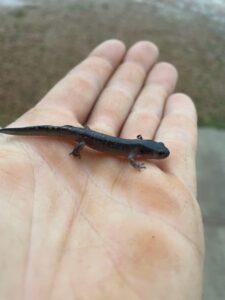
x,y
178,130
73,97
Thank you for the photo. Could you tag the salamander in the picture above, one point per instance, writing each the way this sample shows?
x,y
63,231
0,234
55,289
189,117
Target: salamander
x,y
130,148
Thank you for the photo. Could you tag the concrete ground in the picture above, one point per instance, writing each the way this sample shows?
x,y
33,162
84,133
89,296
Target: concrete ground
x,y
211,195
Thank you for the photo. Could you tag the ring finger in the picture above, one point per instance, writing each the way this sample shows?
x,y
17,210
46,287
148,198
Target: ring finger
x,y
147,111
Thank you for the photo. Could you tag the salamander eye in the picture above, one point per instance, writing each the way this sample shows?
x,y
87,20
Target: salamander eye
x,y
161,153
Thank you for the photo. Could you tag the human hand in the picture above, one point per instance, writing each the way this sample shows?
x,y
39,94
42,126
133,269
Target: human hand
x,y
96,228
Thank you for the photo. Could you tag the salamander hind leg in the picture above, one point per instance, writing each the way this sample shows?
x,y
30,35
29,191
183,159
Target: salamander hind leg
x,y
77,149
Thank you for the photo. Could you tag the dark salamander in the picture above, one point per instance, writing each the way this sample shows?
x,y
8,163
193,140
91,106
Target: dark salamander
x,y
131,148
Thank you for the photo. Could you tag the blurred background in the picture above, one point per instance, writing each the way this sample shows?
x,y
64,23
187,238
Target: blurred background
x,y
41,40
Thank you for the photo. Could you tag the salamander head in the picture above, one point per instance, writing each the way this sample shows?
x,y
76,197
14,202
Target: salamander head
x,y
153,150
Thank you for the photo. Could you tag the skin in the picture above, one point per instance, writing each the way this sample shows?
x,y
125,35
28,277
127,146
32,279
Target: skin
x,y
95,228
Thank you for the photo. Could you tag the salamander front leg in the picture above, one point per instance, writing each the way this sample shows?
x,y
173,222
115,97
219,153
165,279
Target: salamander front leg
x,y
77,149
134,163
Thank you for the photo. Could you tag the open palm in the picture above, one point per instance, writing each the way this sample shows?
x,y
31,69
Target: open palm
x,y
96,228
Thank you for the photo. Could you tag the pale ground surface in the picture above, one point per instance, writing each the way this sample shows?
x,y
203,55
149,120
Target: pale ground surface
x,y
211,187
38,53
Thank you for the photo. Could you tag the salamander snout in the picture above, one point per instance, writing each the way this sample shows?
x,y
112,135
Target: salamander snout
x,y
151,149
161,151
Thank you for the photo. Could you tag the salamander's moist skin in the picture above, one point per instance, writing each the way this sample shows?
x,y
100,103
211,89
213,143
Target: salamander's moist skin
x,y
131,148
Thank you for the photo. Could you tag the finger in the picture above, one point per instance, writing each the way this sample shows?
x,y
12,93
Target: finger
x,y
76,93
114,104
148,108
178,130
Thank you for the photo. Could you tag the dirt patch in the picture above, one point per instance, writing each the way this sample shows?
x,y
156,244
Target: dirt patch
x,y
40,43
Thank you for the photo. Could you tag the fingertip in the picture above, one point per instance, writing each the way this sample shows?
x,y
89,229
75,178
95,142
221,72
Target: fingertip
x,y
169,70
164,74
116,43
146,45
144,53
111,49
181,103
170,67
